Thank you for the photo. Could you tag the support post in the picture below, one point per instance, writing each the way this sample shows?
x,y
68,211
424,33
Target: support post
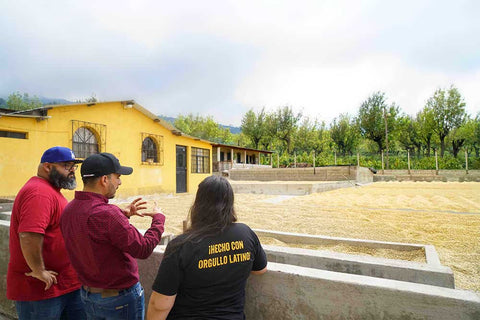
x,y
313,161
278,161
408,160
466,161
335,154
436,162
383,165
358,159
294,159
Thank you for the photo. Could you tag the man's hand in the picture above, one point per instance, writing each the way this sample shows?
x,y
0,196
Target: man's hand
x,y
47,276
133,208
156,210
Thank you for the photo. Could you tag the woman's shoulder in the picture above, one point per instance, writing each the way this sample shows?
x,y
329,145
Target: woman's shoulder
x,y
240,227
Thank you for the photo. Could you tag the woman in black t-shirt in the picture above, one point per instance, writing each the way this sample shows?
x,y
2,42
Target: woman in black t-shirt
x,y
204,270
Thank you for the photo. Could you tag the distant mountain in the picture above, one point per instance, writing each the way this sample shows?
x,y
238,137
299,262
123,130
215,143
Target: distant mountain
x,y
43,100
46,100
233,130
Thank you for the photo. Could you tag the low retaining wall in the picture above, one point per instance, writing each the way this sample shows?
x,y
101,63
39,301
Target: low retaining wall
x,y
297,292
427,175
408,271
292,292
288,188
333,173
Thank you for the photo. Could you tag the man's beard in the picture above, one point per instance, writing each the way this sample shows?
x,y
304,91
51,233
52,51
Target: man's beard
x,y
60,181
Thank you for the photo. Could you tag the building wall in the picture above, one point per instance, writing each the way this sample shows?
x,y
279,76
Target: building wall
x,y
19,158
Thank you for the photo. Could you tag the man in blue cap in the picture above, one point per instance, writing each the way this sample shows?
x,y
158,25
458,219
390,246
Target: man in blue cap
x,y
40,277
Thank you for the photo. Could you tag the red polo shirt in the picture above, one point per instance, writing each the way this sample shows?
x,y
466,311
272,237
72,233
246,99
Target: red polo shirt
x,y
37,208
102,244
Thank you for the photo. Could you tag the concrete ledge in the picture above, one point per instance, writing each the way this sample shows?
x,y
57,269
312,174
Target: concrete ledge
x,y
291,237
6,215
292,292
293,188
6,206
7,307
363,265
295,292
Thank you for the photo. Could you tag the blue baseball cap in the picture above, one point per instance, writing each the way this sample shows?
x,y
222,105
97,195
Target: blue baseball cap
x,y
59,154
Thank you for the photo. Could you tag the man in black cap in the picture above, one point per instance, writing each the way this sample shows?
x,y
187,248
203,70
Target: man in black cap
x,y
40,277
103,245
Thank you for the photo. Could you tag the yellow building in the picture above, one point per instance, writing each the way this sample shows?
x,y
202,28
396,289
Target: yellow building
x,y
163,158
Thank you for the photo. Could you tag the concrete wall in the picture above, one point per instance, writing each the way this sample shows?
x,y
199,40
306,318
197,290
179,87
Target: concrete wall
x,y
270,187
334,173
408,271
296,292
6,306
427,175
292,292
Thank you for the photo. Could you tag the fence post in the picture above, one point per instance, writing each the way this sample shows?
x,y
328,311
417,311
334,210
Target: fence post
x,y
294,159
408,160
313,161
466,161
278,161
358,159
383,165
436,162
335,154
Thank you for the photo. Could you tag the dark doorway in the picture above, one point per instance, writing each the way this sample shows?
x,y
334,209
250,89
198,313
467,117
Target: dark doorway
x,y
181,169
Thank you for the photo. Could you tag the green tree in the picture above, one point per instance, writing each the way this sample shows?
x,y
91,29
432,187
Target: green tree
x,y
286,123
409,137
202,127
463,136
425,122
372,116
344,133
448,112
323,140
253,126
19,101
475,143
270,134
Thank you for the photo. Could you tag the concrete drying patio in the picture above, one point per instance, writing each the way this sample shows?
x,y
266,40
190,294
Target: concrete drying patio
x,y
304,286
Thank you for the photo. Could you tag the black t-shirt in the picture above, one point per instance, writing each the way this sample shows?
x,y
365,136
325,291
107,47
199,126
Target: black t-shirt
x,y
209,277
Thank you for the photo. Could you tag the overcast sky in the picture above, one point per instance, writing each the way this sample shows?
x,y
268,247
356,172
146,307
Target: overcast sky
x,y
222,58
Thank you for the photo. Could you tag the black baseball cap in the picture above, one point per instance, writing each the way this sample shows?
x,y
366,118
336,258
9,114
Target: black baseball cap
x,y
102,164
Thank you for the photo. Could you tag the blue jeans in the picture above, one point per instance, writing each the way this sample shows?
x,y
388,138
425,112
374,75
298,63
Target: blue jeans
x,y
66,307
128,305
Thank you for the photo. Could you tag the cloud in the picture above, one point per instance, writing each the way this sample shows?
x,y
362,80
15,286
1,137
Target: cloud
x,y
224,57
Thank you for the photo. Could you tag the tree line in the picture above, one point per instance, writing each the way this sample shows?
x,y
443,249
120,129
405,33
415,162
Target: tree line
x,y
442,125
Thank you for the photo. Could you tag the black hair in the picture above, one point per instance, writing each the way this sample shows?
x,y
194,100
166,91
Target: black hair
x,y
90,181
211,213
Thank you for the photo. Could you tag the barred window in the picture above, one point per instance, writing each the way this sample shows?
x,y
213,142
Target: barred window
x,y
88,138
200,160
152,149
84,143
149,150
